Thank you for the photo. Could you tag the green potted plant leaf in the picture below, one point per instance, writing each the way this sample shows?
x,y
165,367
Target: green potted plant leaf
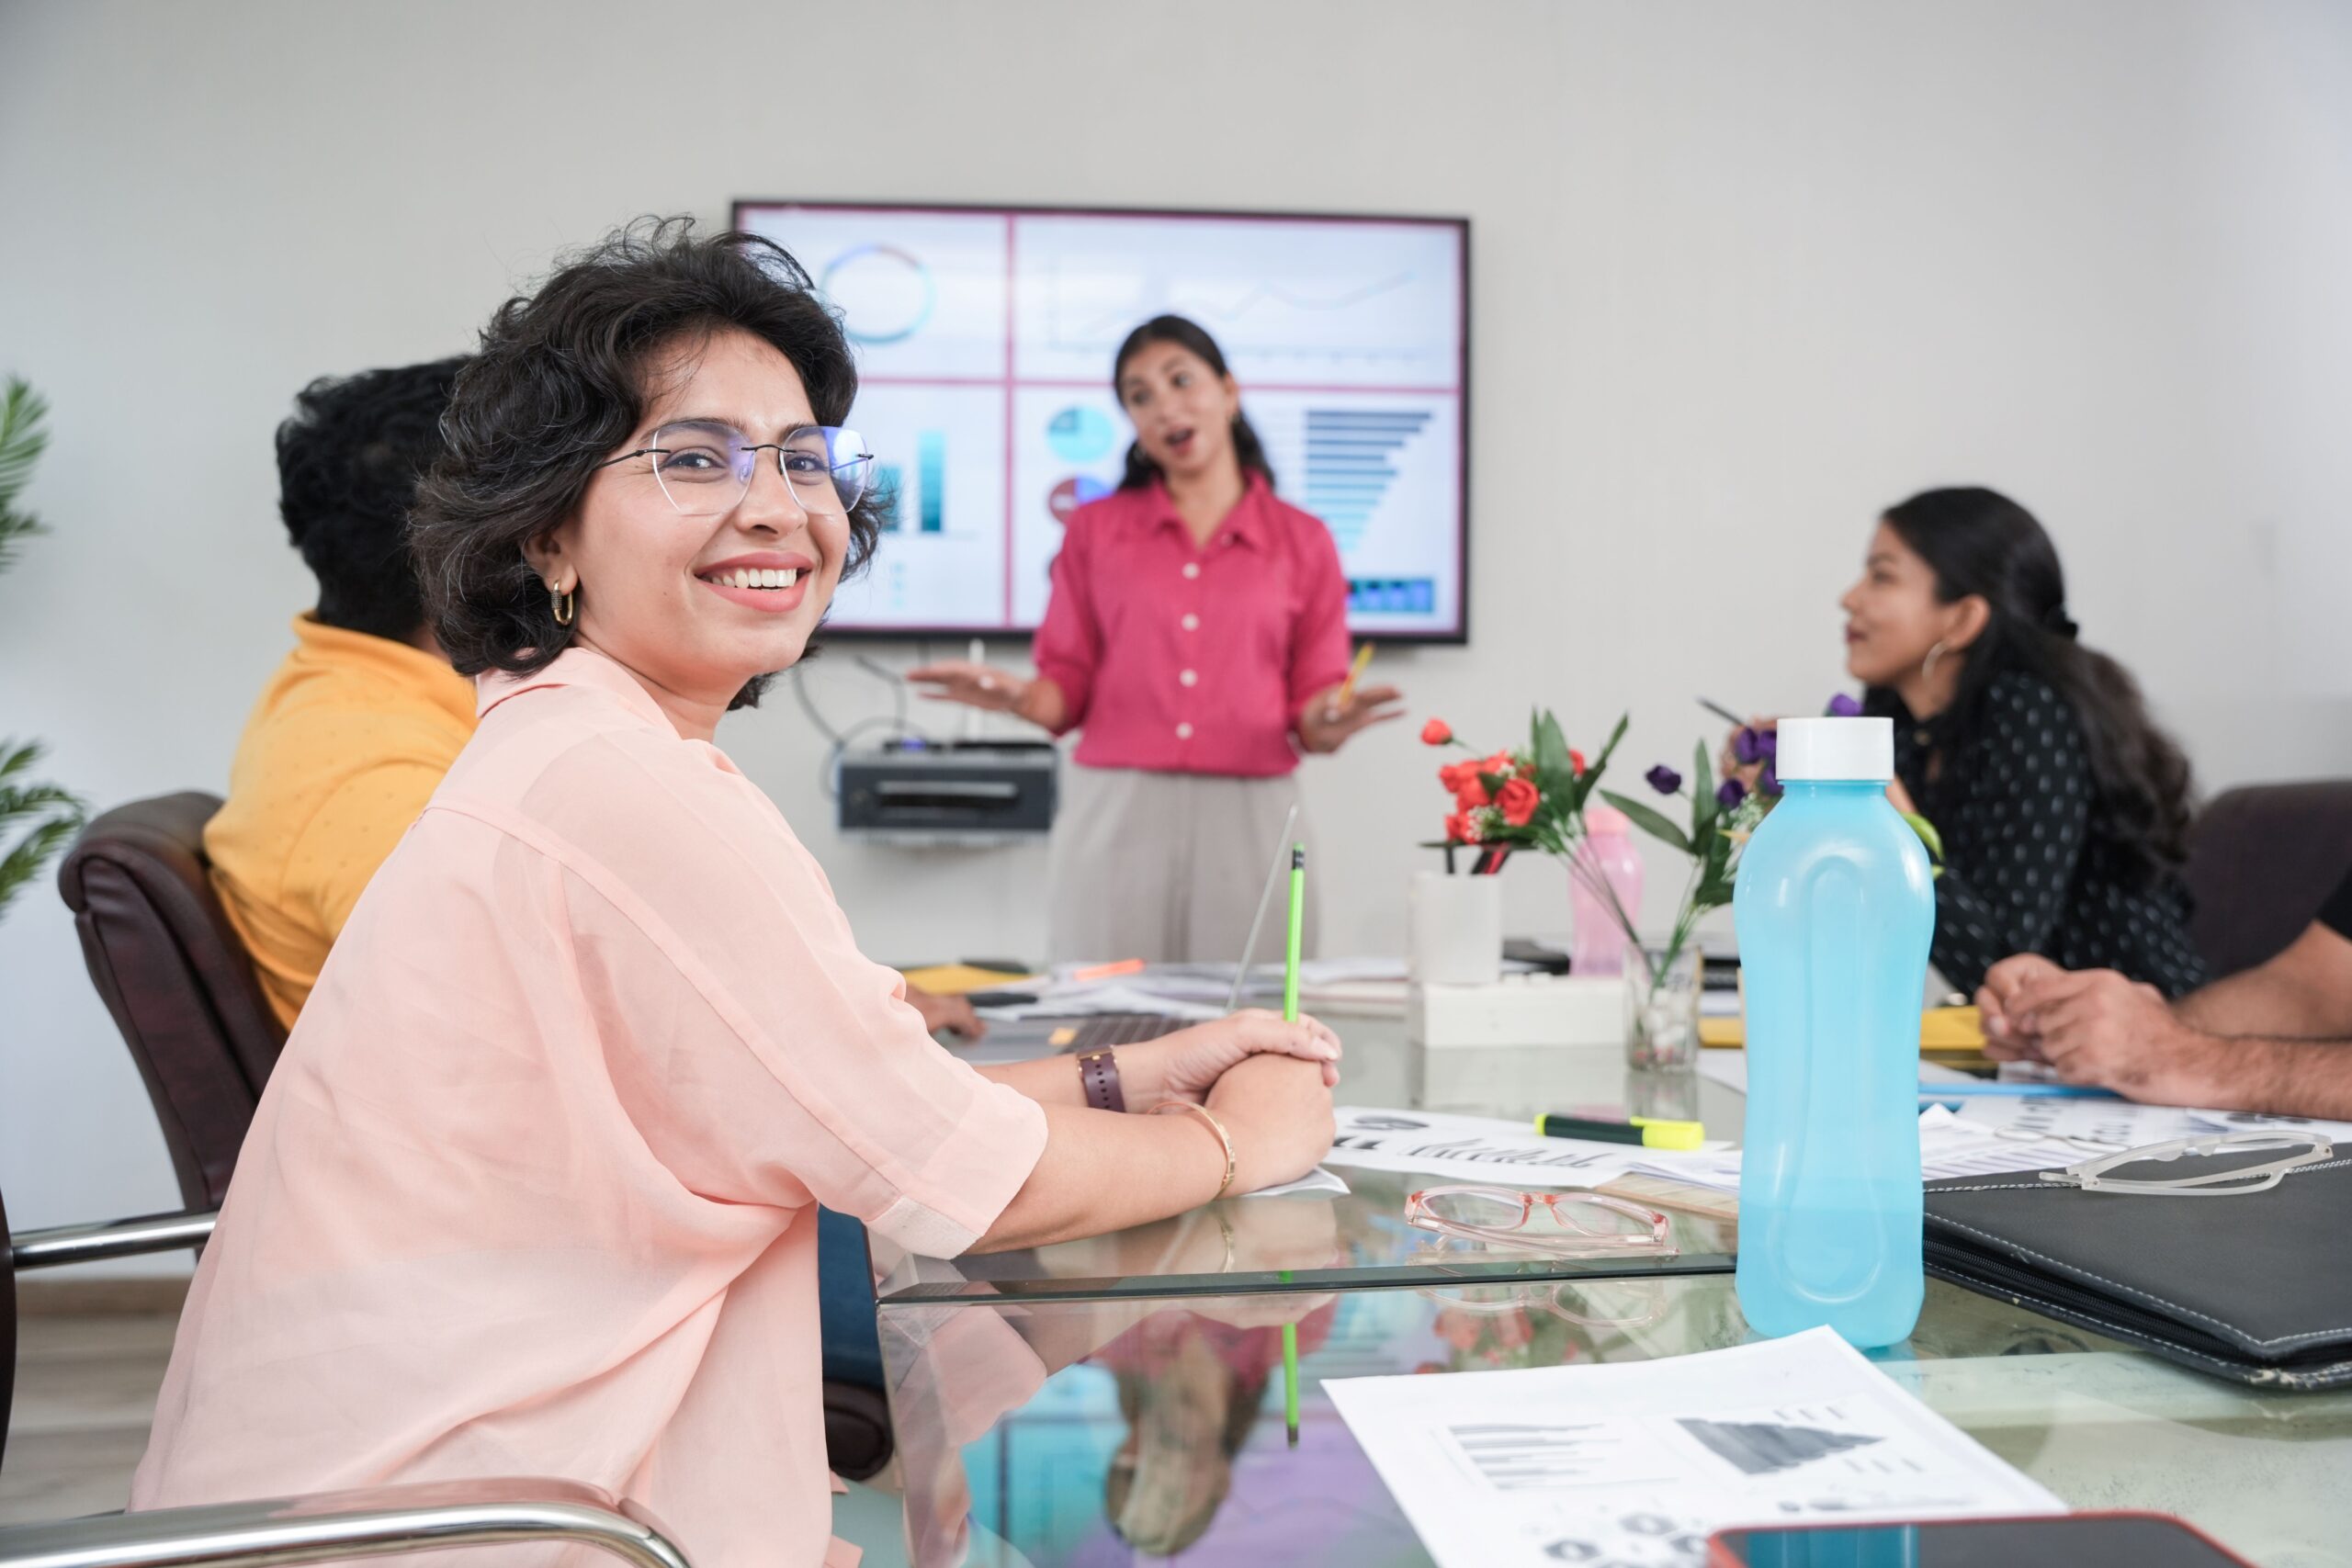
x,y
36,819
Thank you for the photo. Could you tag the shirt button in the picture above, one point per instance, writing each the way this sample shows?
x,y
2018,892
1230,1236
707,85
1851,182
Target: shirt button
x,y
1191,569
1183,732
1187,678
1191,623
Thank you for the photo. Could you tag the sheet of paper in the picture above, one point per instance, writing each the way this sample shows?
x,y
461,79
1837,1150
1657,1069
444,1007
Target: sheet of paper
x,y
1634,1463
2102,1123
1315,1180
1473,1148
1949,1146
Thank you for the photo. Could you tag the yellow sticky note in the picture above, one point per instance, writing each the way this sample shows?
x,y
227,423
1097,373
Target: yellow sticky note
x,y
956,979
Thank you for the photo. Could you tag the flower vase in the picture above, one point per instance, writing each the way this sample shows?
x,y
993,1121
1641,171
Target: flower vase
x,y
1662,1008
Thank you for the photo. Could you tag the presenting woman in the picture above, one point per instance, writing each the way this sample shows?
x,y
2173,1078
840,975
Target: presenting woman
x,y
2063,810
532,1191
1197,637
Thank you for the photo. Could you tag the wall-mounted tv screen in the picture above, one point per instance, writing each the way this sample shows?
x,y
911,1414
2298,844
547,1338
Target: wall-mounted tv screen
x,y
985,336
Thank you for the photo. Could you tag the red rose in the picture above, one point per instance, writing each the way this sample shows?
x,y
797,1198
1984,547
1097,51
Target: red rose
x,y
1518,799
1472,793
1575,760
1451,775
1461,828
1435,733
1500,762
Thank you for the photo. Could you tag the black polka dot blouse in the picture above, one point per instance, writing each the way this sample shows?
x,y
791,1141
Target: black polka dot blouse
x,y
2031,863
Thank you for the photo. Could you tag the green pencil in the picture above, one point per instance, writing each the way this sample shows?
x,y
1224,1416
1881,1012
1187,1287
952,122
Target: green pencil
x,y
1290,1015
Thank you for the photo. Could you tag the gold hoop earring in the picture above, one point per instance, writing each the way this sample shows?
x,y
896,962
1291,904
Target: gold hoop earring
x,y
566,605
1927,665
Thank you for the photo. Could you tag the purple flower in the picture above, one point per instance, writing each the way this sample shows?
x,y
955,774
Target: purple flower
x,y
1845,706
1744,747
1767,782
1663,779
1730,793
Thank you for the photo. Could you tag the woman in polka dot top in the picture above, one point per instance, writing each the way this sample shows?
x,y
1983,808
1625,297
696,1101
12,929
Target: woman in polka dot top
x,y
2063,808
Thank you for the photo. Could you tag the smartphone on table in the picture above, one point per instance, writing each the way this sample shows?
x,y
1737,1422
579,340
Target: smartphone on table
x,y
2053,1541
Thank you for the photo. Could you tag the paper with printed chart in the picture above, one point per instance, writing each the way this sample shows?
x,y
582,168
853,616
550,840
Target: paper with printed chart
x,y
2120,1124
1474,1149
1633,1464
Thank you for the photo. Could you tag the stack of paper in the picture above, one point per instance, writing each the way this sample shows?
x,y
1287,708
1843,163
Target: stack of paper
x,y
1950,1144
1480,1149
1636,1463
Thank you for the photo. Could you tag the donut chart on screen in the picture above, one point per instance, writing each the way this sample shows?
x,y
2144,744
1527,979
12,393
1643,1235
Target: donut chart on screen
x,y
984,338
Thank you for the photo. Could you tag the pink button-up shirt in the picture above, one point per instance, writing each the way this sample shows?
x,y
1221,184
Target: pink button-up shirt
x,y
1184,660
529,1191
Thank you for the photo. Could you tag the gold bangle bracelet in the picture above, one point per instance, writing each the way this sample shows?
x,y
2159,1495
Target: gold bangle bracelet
x,y
1215,1126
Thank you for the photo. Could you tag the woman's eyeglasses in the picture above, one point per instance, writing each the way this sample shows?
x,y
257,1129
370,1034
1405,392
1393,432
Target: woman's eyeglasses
x,y
1571,1222
706,468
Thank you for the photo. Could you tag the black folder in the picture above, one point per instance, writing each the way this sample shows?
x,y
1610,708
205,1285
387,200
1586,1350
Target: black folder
x,y
2254,1287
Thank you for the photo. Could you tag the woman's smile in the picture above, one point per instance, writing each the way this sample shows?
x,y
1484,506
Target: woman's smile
x,y
773,582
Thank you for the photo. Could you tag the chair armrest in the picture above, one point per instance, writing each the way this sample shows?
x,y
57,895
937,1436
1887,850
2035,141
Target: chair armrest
x,y
337,1526
61,1244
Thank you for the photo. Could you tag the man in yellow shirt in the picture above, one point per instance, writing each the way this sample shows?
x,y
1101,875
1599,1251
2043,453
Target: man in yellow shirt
x,y
355,729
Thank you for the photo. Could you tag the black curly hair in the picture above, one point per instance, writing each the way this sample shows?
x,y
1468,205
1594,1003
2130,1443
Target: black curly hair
x,y
560,382
348,463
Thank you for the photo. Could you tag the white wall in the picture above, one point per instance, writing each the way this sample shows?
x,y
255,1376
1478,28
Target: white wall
x,y
1743,275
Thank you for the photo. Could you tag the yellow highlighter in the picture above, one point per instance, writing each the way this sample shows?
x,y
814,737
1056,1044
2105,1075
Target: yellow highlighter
x,y
1649,1132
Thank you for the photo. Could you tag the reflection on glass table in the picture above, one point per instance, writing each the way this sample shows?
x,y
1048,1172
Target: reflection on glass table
x,y
1333,1242
1080,1433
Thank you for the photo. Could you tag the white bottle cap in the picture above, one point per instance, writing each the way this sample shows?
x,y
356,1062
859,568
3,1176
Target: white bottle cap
x,y
1825,750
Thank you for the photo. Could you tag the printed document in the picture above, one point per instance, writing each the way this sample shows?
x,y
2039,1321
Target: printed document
x,y
1634,1463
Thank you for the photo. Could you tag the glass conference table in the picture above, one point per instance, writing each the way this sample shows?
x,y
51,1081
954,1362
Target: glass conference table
x,y
1119,1400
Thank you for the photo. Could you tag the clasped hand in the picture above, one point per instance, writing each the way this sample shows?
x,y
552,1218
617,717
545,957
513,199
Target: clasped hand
x,y
1187,1064
2094,1027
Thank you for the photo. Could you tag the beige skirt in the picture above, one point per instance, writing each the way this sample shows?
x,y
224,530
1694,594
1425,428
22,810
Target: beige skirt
x,y
1169,866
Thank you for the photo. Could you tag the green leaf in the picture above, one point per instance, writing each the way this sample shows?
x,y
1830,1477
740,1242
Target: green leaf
x,y
1549,746
1703,791
56,816
1927,836
21,440
1648,820
1595,766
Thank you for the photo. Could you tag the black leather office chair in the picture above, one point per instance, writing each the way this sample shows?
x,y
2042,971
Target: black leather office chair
x,y
176,978
2261,862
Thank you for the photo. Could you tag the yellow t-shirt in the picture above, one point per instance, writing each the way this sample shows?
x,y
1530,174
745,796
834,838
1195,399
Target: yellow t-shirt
x,y
348,741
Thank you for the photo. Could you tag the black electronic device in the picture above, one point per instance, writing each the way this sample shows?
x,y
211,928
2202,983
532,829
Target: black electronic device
x,y
947,792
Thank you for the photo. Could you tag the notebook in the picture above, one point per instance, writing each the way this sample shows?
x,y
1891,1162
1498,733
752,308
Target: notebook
x,y
2254,1287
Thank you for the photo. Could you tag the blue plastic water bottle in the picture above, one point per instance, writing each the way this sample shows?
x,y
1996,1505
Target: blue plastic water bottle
x,y
1835,907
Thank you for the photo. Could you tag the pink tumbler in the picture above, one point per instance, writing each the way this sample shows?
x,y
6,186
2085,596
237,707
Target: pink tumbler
x,y
1598,945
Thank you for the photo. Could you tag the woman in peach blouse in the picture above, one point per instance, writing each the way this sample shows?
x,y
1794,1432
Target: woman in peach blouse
x,y
532,1189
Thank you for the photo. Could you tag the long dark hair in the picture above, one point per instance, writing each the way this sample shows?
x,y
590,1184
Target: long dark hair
x,y
1978,541
1187,334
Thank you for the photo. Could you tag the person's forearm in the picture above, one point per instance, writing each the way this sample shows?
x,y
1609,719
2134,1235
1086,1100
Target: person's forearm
x,y
1044,703
1102,1172
2249,1003
1049,1080
2283,1077
2304,993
